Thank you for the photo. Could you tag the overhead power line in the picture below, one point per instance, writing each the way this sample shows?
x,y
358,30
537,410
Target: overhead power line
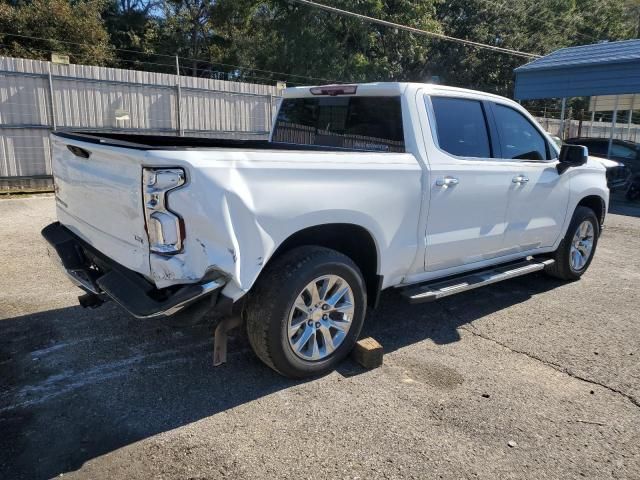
x,y
169,66
189,59
417,31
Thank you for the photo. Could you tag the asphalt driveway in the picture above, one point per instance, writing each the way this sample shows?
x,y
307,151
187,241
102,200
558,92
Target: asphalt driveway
x,y
531,378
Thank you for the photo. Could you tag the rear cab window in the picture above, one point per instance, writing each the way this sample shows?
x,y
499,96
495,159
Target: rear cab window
x,y
353,122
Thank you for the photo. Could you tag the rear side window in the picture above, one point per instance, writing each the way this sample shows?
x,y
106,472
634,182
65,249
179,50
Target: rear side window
x,y
519,139
363,123
622,151
461,127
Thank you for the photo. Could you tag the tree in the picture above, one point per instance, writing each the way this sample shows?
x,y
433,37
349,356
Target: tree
x,y
253,40
280,36
76,28
128,23
538,27
184,28
632,10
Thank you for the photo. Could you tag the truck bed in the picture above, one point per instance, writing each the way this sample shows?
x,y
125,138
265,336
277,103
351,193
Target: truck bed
x,y
170,142
240,201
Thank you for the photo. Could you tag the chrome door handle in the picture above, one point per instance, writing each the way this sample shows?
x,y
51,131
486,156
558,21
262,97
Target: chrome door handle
x,y
447,182
520,179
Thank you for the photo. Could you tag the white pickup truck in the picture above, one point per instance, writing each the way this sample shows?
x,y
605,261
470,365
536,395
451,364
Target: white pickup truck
x,y
428,189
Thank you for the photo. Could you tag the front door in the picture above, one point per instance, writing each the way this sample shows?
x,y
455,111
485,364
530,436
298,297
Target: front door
x,y
538,195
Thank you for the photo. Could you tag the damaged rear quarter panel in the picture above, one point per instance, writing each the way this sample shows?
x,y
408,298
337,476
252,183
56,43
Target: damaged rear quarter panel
x,y
238,206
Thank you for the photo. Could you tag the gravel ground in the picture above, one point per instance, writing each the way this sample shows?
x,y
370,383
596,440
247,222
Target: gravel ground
x,y
531,378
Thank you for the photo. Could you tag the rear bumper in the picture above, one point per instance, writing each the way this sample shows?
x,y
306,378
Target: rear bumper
x,y
99,275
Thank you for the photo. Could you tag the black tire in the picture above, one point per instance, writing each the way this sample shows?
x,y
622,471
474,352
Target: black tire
x,y
272,298
562,268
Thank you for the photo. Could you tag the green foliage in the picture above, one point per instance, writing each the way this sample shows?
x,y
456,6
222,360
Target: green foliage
x,y
61,20
315,43
254,40
538,27
128,23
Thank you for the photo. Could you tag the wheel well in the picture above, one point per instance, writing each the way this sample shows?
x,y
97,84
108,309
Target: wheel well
x,y
352,240
595,203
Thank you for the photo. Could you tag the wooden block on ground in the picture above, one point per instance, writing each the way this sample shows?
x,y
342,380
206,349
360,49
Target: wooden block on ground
x,y
368,353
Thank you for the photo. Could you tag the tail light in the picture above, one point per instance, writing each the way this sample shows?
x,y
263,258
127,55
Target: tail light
x,y
164,227
334,90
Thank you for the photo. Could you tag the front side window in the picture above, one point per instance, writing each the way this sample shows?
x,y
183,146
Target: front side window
x,y
461,127
596,147
363,123
519,139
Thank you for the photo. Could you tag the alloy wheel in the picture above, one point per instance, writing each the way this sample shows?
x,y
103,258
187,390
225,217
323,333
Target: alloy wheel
x,y
581,245
320,318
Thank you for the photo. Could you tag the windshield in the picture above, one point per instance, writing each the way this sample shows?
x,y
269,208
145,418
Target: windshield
x,y
363,123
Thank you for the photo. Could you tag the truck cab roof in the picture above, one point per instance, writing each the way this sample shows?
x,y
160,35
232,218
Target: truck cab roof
x,y
382,89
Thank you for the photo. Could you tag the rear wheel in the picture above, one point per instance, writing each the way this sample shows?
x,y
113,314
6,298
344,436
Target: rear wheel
x,y
306,311
575,253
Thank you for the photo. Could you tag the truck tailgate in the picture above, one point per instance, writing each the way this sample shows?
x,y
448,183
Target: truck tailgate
x,y
99,198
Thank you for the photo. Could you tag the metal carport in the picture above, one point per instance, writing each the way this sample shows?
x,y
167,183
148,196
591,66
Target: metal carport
x,y
608,68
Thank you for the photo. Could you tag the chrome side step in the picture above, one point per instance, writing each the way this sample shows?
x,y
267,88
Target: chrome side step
x,y
428,292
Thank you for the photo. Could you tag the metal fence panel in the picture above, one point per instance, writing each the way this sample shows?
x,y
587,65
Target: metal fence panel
x,y
114,106
622,131
24,152
203,110
37,97
23,100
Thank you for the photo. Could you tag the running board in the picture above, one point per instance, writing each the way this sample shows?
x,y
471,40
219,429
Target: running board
x,y
428,292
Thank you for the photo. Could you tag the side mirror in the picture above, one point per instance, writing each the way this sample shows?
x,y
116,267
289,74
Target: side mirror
x,y
572,156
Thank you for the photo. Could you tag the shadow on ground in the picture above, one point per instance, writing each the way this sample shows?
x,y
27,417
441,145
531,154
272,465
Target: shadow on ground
x,y
79,383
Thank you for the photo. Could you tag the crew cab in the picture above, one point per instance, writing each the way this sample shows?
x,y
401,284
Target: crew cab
x,y
424,188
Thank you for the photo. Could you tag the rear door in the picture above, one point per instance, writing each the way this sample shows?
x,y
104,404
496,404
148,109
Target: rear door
x,y
99,198
538,194
468,188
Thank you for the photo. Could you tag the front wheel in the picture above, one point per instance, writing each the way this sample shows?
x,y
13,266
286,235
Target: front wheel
x,y
576,250
306,311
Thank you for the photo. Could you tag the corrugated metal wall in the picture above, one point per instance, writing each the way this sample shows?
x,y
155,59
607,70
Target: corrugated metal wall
x,y
37,96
